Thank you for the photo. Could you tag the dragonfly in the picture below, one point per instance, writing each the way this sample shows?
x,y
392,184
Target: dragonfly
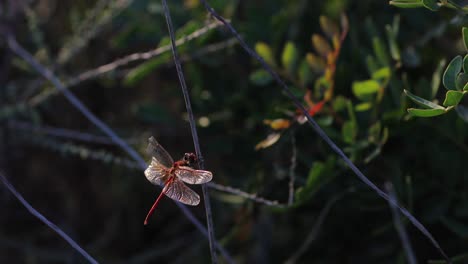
x,y
173,176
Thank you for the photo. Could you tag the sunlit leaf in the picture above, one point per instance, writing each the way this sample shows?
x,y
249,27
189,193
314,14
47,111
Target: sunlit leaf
x,y
425,112
363,107
382,74
406,4
278,124
289,57
329,27
451,73
452,98
260,77
265,52
436,77
423,102
269,141
321,45
362,89
431,4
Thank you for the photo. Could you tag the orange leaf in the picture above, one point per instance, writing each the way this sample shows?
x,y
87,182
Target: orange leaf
x,y
314,110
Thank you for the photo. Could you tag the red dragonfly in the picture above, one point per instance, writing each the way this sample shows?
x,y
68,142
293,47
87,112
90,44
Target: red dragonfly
x,y
164,171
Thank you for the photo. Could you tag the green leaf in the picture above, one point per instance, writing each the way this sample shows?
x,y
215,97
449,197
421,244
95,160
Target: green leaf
x,y
430,4
451,73
465,64
462,81
363,89
423,102
339,103
363,107
382,74
380,52
425,112
305,73
436,78
371,64
318,175
392,43
406,4
349,132
265,52
452,98
465,37
289,57
260,77
317,64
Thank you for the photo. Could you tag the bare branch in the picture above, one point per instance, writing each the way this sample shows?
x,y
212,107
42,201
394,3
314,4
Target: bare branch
x,y
193,129
45,220
246,195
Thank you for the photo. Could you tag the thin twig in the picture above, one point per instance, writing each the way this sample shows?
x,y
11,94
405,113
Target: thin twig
x,y
193,129
60,132
96,72
45,220
17,49
316,228
401,230
246,195
292,169
322,133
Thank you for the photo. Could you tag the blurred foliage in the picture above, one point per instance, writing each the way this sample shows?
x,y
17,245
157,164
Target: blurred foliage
x,y
357,65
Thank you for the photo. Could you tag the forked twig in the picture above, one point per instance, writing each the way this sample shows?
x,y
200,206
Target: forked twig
x,y
18,50
45,220
322,133
193,129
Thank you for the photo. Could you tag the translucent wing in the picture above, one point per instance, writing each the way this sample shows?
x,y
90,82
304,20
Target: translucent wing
x,y
157,151
192,176
156,173
178,191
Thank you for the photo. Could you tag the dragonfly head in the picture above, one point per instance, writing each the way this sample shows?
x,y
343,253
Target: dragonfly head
x,y
190,159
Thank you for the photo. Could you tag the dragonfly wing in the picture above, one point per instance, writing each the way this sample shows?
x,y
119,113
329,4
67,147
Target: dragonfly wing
x,y
156,173
156,150
192,176
178,191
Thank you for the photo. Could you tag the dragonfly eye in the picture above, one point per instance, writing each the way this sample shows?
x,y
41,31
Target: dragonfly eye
x,y
190,158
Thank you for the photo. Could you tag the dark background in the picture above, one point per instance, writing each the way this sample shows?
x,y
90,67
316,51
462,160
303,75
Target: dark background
x,y
100,201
